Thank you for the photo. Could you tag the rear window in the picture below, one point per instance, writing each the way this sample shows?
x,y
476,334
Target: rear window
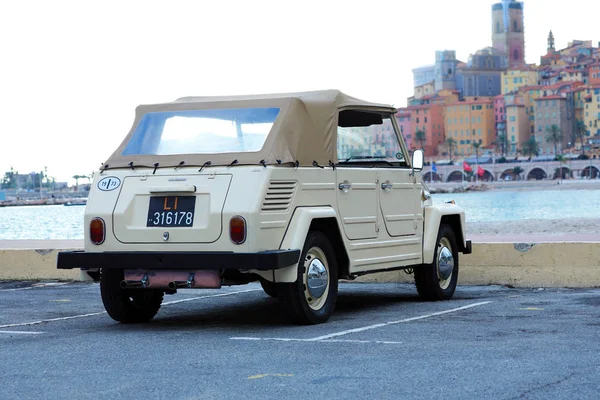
x,y
202,131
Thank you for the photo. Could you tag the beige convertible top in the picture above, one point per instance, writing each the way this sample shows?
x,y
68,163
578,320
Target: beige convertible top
x,y
305,130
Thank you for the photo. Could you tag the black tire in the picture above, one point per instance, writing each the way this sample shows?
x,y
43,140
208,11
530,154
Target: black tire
x,y
302,306
432,284
128,305
269,287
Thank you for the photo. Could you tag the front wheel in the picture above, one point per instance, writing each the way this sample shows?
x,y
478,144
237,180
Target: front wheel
x,y
128,305
437,281
311,299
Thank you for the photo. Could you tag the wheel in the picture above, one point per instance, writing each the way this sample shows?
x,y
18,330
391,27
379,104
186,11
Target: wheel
x,y
311,299
127,305
437,281
269,287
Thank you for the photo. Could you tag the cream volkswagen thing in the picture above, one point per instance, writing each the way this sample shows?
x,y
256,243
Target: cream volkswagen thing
x,y
294,190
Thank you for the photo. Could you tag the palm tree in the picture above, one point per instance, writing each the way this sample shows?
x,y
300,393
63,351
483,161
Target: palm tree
x,y
581,130
555,136
451,143
531,147
502,142
518,171
420,136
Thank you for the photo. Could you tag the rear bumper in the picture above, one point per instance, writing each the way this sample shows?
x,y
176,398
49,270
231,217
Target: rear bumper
x,y
265,260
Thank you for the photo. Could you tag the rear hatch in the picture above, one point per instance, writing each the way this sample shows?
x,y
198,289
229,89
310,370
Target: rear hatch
x,y
171,209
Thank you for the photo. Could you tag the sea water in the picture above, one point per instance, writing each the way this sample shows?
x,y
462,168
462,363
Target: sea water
x,y
60,222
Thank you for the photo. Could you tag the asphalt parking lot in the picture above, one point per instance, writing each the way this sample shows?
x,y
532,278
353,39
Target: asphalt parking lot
x,y
56,342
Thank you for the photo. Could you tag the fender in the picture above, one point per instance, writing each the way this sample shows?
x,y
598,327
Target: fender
x,y
433,218
296,235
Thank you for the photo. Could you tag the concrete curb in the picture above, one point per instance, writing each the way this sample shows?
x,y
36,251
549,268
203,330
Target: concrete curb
x,y
562,264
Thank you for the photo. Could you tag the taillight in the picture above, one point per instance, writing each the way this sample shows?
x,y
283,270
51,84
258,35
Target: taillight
x,y
97,231
237,229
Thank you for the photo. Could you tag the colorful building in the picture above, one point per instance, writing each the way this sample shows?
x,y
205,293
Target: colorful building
x,y
426,89
514,79
591,112
594,74
517,121
499,116
403,120
469,122
549,111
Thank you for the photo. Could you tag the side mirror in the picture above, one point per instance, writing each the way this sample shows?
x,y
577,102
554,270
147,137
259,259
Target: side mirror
x,y
417,160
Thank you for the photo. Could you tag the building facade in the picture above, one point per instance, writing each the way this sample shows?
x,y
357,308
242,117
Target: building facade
x,y
549,111
514,79
481,76
469,122
403,120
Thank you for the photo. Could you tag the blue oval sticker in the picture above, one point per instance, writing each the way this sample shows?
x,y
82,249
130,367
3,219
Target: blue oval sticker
x,y
109,183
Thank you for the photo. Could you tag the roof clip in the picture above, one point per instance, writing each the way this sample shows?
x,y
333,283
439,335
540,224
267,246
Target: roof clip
x,y
180,164
131,165
155,167
297,163
206,164
263,163
316,164
332,165
234,162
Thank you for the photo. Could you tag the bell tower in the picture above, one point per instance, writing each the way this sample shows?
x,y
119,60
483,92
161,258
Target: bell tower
x,y
508,31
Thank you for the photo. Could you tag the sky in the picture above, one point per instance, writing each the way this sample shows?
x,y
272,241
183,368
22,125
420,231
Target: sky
x,y
72,72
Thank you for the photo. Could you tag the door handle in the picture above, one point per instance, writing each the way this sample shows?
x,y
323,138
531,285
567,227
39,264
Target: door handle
x,y
387,186
345,186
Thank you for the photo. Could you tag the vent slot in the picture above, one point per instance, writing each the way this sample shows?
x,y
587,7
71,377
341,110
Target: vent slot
x,y
279,196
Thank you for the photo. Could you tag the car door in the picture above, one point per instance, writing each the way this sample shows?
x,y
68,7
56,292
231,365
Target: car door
x,y
399,188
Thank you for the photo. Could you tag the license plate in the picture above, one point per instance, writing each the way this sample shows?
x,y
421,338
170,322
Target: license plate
x,y
171,211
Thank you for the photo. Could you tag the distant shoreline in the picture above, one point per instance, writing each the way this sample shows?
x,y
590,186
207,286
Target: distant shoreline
x,y
517,186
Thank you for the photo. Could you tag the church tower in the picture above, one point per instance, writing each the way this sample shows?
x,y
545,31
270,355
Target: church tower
x,y
551,43
508,31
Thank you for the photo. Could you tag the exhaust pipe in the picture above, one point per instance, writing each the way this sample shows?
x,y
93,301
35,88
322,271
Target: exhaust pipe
x,y
135,284
183,284
172,280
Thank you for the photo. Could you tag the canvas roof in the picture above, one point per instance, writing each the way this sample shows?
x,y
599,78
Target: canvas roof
x,y
304,131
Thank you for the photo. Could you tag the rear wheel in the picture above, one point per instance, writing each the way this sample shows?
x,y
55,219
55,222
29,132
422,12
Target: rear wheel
x,y
437,281
128,305
311,299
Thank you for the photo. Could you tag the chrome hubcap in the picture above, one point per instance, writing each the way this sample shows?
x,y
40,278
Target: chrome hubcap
x,y
317,278
445,263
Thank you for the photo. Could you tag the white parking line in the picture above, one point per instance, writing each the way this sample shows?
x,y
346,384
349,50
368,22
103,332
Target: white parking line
x,y
104,312
369,327
36,286
22,332
311,340
328,338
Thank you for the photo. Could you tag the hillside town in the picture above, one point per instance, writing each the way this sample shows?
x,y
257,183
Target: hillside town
x,y
496,105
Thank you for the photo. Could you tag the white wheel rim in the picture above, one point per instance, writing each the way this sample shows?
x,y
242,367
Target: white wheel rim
x,y
443,258
317,256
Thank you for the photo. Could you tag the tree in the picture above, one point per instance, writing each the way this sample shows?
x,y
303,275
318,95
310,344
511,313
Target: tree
x,y
420,136
581,130
531,147
517,171
502,143
77,178
555,137
451,143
